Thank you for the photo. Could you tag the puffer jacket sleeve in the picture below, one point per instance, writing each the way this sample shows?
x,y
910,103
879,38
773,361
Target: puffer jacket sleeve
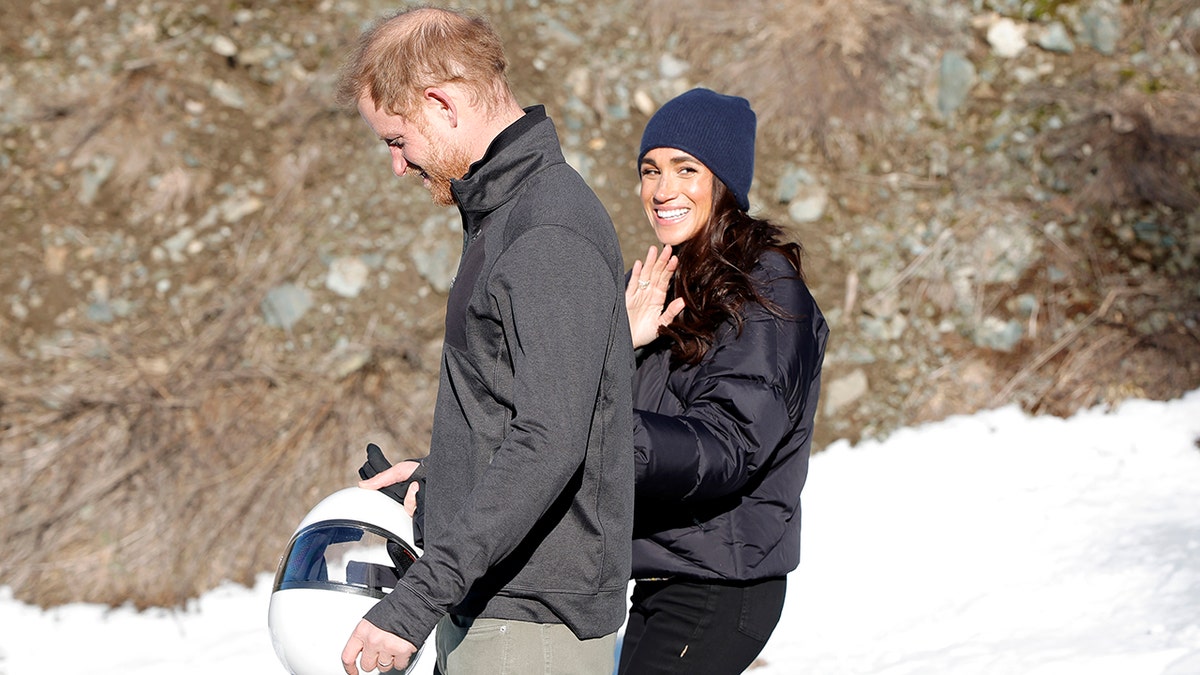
x,y
743,400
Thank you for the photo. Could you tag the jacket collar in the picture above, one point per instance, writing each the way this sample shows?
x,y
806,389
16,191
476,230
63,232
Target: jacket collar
x,y
525,147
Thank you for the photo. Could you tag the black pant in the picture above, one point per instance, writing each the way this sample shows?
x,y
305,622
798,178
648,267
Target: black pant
x,y
699,628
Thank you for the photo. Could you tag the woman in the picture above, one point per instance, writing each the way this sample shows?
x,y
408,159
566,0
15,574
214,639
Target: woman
x,y
730,345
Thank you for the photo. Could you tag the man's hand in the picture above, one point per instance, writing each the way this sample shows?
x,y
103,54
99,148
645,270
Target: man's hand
x,y
379,649
400,482
393,475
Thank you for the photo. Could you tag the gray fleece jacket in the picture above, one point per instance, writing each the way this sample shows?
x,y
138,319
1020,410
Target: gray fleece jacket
x,y
529,496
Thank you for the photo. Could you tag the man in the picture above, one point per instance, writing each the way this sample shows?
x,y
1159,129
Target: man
x,y
529,487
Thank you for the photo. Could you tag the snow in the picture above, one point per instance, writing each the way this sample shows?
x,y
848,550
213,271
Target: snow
x,y
990,544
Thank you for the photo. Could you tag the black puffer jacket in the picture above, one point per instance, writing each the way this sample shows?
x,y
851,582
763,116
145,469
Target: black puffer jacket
x,y
722,447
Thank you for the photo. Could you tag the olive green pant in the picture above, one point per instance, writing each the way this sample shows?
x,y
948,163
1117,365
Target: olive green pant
x,y
504,647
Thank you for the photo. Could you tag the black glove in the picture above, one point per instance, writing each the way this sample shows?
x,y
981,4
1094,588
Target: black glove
x,y
377,463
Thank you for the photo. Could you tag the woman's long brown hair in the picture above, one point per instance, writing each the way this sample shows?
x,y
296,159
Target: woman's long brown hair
x,y
713,277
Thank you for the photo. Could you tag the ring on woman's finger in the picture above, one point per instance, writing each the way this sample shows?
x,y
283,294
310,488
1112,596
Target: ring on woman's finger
x,y
643,284
384,666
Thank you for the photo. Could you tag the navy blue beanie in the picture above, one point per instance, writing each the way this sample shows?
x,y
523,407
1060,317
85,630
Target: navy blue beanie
x,y
714,128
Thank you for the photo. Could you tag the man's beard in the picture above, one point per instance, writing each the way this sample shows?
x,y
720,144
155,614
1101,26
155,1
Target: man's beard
x,y
446,162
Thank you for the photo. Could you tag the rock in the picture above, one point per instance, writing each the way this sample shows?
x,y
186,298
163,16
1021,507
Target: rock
x,y
843,391
345,360
96,174
884,328
809,204
994,333
1006,38
939,159
227,94
100,312
436,263
790,181
235,208
177,244
1005,251
644,102
347,276
806,199
955,79
581,162
121,307
285,305
436,252
671,67
224,46
1023,305
1101,28
555,31
1054,38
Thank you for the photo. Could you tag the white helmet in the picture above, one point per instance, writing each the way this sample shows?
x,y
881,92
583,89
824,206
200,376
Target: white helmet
x,y
344,557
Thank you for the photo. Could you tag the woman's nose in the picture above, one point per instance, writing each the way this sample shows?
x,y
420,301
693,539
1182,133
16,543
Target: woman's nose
x,y
664,190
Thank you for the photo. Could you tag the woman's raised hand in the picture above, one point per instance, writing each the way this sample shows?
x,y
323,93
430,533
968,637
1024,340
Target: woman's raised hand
x,y
646,294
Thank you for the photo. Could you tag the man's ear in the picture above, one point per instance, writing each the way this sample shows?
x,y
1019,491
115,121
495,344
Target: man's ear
x,y
442,104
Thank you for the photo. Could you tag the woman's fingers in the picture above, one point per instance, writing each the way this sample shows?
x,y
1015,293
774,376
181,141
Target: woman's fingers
x,y
634,275
646,293
671,311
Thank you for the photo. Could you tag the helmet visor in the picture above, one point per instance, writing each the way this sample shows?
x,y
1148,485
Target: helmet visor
x,y
347,556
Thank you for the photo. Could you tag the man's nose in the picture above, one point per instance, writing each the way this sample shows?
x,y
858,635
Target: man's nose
x,y
399,164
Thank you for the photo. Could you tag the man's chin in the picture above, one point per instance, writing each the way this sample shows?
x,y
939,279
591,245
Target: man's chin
x,y
440,192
